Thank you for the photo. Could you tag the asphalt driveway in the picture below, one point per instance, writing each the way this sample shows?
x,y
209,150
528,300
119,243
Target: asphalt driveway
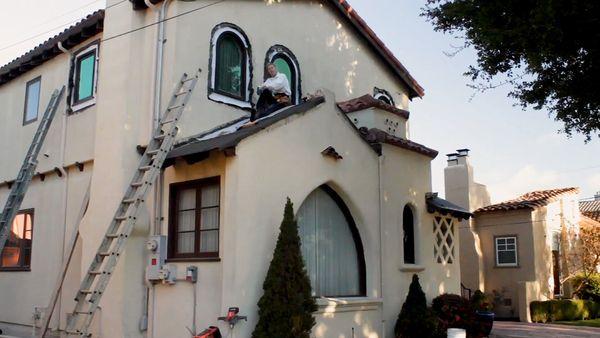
x,y
527,330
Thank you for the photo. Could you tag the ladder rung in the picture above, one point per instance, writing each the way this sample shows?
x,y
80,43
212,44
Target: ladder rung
x,y
87,292
104,254
137,184
188,79
176,107
168,121
129,200
145,168
97,272
160,137
82,313
152,152
111,236
183,92
77,333
121,218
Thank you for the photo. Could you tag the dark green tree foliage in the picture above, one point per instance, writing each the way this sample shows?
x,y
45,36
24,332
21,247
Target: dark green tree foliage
x,y
286,307
415,319
547,50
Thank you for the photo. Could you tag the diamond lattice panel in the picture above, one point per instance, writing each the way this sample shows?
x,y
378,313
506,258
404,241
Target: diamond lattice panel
x,y
443,246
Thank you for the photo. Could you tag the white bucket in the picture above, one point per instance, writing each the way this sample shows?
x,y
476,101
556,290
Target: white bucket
x,y
457,333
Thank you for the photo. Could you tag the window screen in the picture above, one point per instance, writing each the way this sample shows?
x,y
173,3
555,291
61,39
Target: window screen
x,y
16,254
506,251
32,100
86,66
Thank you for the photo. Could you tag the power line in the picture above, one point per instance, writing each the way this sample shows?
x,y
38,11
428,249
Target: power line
x,y
58,27
159,21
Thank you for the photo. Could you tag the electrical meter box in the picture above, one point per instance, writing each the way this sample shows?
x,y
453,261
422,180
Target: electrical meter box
x,y
157,256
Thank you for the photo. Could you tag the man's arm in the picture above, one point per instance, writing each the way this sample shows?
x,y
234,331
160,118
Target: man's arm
x,y
277,83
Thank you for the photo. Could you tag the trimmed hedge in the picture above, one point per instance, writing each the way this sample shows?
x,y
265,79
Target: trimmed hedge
x,y
563,309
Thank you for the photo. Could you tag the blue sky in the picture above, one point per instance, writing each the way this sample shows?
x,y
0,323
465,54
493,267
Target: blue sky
x,y
513,151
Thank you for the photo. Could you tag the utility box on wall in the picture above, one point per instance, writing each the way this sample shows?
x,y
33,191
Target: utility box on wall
x,y
157,256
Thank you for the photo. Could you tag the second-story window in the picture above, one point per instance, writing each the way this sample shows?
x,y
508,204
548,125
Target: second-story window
x,y
85,73
32,100
230,71
286,63
16,255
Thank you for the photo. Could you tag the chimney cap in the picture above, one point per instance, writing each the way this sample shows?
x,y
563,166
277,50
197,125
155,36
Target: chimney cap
x,y
452,157
463,152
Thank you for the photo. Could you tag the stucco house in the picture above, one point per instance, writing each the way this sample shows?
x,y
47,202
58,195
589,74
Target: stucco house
x,y
360,185
514,250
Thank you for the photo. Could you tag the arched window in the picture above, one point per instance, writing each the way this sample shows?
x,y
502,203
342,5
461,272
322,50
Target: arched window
x,y
331,246
408,227
230,70
383,95
287,64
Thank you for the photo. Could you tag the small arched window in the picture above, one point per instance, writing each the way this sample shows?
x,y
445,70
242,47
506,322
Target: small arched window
x,y
230,71
408,241
287,64
331,246
383,95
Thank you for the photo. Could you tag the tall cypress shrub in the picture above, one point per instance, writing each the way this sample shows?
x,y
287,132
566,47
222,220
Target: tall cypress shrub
x,y
415,319
286,307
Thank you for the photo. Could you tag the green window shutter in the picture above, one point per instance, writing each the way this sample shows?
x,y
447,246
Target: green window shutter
x,y
230,66
85,77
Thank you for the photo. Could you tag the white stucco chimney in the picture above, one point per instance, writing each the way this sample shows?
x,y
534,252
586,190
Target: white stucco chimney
x,y
462,190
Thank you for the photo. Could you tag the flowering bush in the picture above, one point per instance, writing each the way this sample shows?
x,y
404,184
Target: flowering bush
x,y
481,302
454,311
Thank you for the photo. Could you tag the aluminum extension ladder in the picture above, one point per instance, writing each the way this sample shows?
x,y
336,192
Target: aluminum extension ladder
x,y
112,246
19,188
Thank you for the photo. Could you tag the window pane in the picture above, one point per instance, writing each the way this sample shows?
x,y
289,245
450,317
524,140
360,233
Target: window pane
x,y
210,196
209,241
229,65
209,219
186,220
17,250
86,77
283,67
510,241
32,101
507,257
187,199
185,242
328,247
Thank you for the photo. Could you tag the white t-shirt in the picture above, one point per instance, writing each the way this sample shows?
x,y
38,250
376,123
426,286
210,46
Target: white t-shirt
x,y
278,84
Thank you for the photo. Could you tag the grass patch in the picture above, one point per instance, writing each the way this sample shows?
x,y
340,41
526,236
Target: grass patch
x,y
589,322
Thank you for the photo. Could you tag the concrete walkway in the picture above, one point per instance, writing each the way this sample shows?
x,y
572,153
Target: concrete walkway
x,y
527,330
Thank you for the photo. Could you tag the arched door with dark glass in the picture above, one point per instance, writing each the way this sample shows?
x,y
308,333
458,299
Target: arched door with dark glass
x,y
331,246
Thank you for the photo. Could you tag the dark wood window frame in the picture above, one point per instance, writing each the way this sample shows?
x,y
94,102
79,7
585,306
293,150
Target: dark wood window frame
x,y
37,79
243,66
174,189
22,266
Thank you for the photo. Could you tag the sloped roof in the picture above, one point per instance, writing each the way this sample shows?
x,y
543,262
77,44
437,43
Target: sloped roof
x,y
530,200
357,22
589,222
590,209
227,136
70,37
376,136
368,101
444,207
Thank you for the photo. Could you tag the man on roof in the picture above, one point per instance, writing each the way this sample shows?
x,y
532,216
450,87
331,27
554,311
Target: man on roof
x,y
274,93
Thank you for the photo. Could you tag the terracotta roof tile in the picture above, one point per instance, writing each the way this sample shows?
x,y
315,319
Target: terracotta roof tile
x,y
367,101
590,209
588,222
530,200
70,37
375,136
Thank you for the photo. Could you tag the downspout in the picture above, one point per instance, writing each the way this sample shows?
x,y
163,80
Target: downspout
x,y
63,141
381,200
158,190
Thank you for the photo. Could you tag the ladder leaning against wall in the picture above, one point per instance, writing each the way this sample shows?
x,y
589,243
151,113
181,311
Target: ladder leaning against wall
x,y
106,258
19,188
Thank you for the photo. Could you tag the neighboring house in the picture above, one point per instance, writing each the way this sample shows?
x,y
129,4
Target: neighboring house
x,y
591,207
361,188
514,250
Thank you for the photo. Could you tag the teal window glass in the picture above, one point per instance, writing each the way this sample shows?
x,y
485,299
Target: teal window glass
x,y
85,76
32,100
283,67
230,72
